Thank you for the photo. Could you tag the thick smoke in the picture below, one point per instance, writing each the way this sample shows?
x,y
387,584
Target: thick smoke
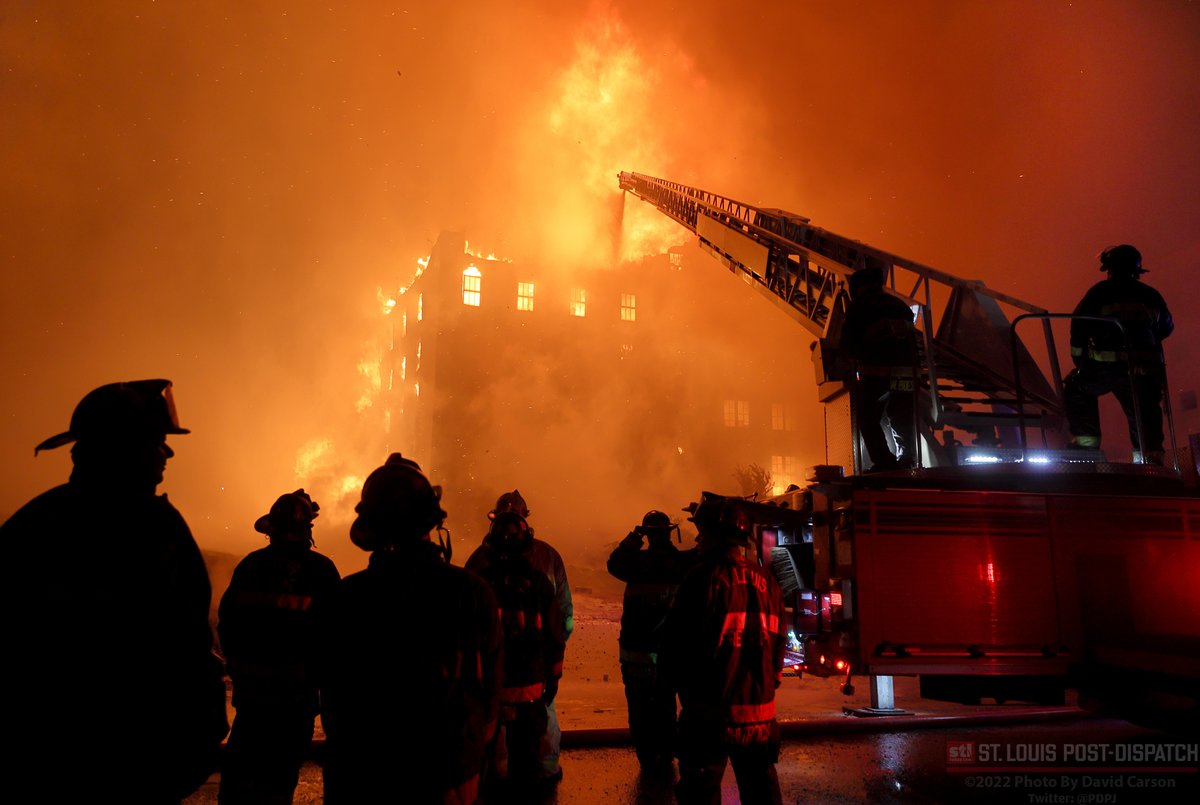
x,y
216,194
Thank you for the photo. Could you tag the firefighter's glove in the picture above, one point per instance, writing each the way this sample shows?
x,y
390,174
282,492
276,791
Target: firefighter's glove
x,y
551,690
632,539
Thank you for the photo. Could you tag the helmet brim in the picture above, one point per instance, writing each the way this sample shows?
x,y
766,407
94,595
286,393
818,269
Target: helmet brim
x,y
66,437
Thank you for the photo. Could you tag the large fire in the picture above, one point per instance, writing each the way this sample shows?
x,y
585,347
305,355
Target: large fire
x,y
331,477
370,367
602,118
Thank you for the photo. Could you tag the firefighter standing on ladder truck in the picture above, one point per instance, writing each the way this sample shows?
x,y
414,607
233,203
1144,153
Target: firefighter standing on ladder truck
x,y
1104,355
879,336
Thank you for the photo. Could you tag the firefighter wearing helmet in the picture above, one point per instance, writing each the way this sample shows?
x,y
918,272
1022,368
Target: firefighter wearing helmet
x,y
534,640
1126,361
110,667
409,656
652,568
722,652
267,635
546,559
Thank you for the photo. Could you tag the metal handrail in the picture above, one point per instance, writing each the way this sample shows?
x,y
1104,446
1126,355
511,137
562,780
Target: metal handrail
x,y
1137,410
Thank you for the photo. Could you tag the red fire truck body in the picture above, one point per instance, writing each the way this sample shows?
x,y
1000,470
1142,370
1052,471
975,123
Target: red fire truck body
x,y
1005,593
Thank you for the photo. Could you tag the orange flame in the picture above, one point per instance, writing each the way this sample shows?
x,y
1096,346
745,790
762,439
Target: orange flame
x,y
602,120
480,255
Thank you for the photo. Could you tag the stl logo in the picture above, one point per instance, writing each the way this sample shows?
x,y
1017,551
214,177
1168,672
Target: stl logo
x,y
960,751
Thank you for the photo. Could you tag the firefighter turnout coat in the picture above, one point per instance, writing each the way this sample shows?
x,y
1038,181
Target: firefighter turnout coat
x,y
1104,356
409,665
534,631
723,647
109,667
1139,308
651,578
266,624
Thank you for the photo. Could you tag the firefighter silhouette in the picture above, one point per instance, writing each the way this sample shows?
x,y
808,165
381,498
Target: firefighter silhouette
x,y
878,334
545,558
722,652
1105,356
409,656
267,634
108,650
652,575
534,640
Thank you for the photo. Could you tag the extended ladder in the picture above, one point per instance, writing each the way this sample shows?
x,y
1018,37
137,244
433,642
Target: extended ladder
x,y
967,365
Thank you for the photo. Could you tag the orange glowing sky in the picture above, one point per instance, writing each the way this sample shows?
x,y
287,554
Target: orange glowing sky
x,y
216,192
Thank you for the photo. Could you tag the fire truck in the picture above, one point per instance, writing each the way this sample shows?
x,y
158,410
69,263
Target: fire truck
x,y
1004,565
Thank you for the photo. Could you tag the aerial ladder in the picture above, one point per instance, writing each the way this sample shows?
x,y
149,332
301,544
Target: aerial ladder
x,y
978,380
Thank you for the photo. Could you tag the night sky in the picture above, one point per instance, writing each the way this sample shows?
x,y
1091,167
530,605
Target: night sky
x,y
217,192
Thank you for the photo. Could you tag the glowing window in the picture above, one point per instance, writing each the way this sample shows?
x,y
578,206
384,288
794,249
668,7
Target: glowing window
x,y
578,302
628,307
524,296
404,367
783,416
783,472
472,282
737,413
676,260
404,323
420,306
417,368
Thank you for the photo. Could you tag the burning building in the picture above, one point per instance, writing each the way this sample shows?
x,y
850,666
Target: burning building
x,y
599,394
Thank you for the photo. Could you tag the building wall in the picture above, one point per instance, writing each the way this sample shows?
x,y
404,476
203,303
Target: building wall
x,y
595,418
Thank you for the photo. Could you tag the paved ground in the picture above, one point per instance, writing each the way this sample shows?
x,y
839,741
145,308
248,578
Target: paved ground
x,y
591,696
888,766
601,768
